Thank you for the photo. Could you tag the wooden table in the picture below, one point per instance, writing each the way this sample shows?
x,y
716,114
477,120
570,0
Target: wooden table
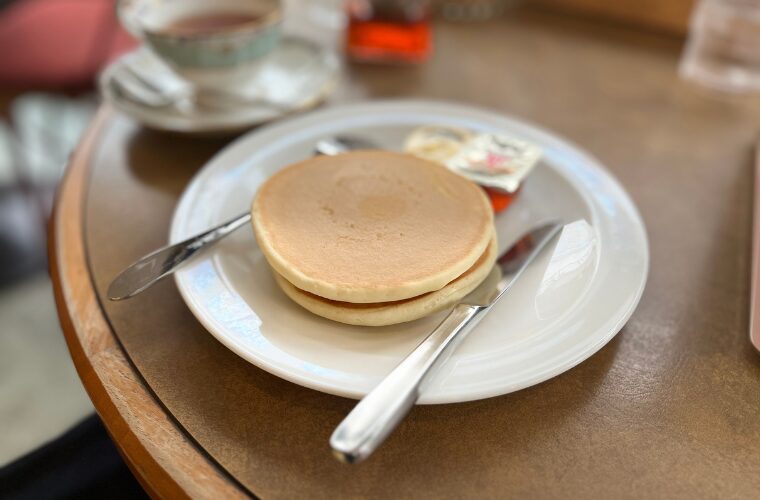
x,y
670,408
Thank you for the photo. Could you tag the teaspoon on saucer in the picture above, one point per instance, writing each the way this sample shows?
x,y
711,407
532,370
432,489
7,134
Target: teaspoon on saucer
x,y
146,90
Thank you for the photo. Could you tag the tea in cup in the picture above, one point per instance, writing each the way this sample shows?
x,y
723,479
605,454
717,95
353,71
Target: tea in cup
x,y
212,44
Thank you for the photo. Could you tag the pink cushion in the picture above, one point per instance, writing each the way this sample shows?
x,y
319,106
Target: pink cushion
x,y
58,42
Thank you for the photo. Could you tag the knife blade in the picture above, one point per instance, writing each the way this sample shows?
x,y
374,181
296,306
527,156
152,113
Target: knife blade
x,y
380,411
155,266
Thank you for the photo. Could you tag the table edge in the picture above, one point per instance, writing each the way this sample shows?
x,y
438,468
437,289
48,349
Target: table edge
x,y
160,455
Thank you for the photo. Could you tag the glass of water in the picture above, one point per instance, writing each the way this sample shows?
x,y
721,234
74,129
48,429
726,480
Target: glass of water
x,y
723,48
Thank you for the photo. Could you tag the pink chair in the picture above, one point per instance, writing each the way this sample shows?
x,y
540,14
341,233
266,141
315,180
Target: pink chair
x,y
58,43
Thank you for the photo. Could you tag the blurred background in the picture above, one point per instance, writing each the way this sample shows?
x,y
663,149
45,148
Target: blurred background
x,y
52,50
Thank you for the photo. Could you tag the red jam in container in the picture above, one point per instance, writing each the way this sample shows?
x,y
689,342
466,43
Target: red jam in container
x,y
389,31
498,162
499,199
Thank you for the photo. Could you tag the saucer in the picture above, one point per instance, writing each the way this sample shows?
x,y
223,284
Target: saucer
x,y
297,75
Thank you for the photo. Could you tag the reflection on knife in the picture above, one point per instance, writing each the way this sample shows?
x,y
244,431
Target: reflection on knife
x,y
370,422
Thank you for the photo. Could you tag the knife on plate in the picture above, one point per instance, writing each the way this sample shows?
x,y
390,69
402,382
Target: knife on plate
x,y
380,411
155,266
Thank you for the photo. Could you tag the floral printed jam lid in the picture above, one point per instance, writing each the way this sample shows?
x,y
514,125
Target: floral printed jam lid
x,y
492,160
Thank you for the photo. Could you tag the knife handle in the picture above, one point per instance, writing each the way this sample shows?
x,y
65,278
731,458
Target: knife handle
x,y
380,411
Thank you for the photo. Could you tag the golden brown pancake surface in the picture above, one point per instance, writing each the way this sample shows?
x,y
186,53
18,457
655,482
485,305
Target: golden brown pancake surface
x,y
370,226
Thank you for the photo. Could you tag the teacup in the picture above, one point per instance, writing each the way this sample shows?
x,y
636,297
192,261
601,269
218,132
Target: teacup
x,y
212,44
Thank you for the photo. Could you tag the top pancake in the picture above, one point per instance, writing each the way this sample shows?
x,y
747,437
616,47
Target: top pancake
x,y
370,226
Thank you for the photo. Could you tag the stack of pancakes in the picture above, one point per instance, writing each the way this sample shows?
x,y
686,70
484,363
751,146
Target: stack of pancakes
x,y
374,237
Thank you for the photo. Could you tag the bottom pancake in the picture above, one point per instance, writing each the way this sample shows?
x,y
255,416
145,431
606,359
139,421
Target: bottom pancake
x,y
399,311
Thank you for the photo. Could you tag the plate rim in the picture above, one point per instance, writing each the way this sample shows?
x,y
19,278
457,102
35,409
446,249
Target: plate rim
x,y
429,106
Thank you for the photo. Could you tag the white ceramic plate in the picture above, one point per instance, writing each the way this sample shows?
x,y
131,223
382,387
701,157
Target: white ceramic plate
x,y
569,304
298,74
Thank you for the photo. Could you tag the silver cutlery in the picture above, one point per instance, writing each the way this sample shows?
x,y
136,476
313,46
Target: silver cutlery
x,y
148,90
380,411
158,264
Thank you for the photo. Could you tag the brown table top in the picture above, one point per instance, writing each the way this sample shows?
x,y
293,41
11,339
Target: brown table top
x,y
669,408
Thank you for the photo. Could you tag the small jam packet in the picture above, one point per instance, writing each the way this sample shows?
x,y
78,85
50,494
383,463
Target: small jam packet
x,y
497,161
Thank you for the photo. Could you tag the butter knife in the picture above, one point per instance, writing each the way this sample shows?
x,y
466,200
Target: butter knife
x,y
375,416
151,268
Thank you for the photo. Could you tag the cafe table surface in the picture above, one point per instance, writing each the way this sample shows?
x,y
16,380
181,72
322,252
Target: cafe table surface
x,y
670,408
